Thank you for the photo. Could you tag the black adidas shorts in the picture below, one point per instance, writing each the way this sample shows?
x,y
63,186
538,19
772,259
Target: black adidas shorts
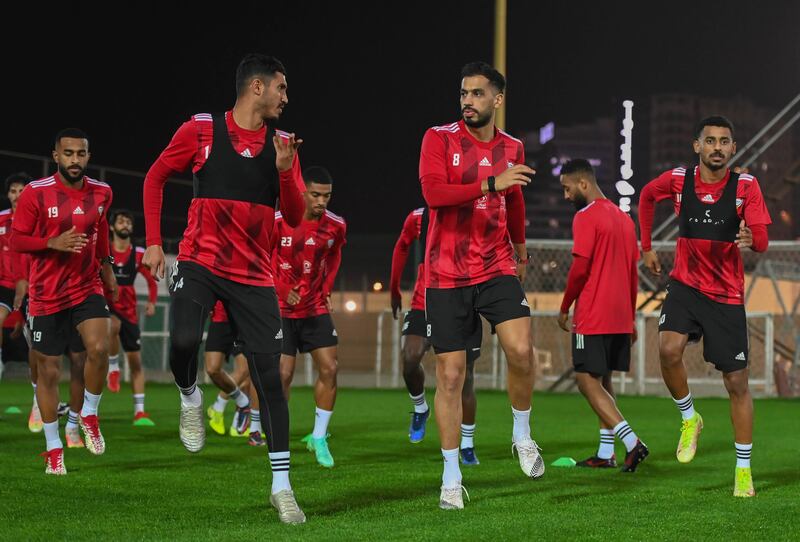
x,y
54,333
130,336
307,334
454,313
252,310
722,327
414,323
7,298
222,338
599,355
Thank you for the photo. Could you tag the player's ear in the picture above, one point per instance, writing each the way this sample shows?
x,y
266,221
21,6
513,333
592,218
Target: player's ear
x,y
696,146
499,98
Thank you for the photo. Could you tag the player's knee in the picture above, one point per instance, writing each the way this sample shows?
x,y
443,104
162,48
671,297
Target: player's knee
x,y
97,349
328,370
185,341
412,356
670,353
736,383
48,372
450,379
519,357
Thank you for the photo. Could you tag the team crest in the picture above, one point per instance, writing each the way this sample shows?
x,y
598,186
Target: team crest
x,y
509,164
739,202
330,243
100,209
2,230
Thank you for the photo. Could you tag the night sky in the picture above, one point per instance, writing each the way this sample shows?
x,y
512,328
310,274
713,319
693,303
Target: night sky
x,y
365,82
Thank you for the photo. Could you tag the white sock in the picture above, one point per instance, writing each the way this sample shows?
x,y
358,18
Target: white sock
x,y
191,396
420,405
279,462
138,403
522,424
321,419
743,452
72,420
686,406
255,421
220,403
467,434
113,363
51,436
242,400
606,449
451,477
90,403
626,435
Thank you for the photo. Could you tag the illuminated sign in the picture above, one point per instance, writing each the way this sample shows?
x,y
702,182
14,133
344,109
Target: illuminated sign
x,y
624,188
546,133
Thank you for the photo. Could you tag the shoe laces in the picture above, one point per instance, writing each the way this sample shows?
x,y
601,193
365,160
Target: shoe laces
x,y
418,418
455,492
525,447
686,434
287,503
54,459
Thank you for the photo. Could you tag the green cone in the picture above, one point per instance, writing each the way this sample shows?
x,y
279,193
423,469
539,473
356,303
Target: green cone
x,y
13,410
563,462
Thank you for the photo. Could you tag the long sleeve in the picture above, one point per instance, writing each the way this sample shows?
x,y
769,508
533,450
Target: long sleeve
x,y
103,247
291,197
576,280
333,263
515,203
25,219
760,238
152,285
433,176
409,232
656,190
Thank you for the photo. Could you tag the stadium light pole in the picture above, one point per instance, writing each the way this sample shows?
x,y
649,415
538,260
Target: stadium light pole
x,y
500,20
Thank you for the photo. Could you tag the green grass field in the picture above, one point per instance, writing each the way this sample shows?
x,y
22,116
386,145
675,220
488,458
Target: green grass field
x,y
148,487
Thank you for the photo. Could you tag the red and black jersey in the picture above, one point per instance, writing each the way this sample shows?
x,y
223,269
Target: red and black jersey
x,y
468,236
236,188
412,229
47,208
127,265
307,257
8,275
707,262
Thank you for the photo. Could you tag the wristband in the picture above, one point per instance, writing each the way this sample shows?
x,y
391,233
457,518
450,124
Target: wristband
x,y
490,184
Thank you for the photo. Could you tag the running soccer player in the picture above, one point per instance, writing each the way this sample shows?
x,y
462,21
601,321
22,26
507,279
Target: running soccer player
x,y
221,344
125,330
605,280
416,343
61,221
720,212
305,261
471,174
242,167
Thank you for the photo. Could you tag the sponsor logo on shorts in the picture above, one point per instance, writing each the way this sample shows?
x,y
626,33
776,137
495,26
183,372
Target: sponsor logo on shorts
x,y
279,335
740,357
334,333
662,319
525,303
405,325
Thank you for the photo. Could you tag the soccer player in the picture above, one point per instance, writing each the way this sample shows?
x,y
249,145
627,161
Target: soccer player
x,y
125,330
720,212
305,260
61,221
471,174
605,280
221,344
242,167
416,343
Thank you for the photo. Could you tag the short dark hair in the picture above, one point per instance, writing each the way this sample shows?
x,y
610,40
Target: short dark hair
x,y
317,174
121,212
495,78
76,133
716,120
579,166
21,177
253,65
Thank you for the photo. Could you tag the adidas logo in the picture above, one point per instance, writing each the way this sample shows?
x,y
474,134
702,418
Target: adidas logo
x,y
740,357
485,162
525,303
310,241
334,333
405,326
280,334
709,198
247,154
77,211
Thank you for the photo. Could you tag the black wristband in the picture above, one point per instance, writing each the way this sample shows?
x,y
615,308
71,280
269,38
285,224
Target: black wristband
x,y
490,184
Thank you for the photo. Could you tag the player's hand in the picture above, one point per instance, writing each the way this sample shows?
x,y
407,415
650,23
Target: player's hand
x,y
634,335
522,270
328,303
397,306
285,151
150,309
517,175
17,331
563,321
294,296
154,259
651,262
68,241
109,281
19,293
744,238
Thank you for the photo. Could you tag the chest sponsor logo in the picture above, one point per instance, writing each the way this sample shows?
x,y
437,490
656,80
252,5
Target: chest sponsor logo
x,y
306,267
481,202
286,266
310,242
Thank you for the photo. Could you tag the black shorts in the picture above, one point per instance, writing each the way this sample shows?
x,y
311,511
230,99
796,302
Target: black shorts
x,y
454,313
222,338
7,298
722,327
308,334
414,323
130,336
252,310
54,334
601,354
